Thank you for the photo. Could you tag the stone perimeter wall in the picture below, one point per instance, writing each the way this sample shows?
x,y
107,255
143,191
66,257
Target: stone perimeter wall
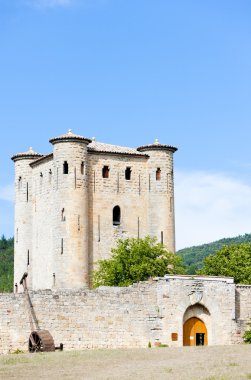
x,y
128,317
243,311
108,317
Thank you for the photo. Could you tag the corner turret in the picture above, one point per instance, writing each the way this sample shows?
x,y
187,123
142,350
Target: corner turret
x,y
23,215
161,192
70,241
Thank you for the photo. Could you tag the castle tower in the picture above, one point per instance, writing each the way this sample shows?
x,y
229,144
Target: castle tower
x,y
70,211
23,216
161,192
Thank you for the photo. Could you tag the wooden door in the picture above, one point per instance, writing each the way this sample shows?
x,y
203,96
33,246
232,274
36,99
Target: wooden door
x,y
194,333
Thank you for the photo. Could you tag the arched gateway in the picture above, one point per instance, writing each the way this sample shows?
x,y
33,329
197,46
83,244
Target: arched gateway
x,y
195,331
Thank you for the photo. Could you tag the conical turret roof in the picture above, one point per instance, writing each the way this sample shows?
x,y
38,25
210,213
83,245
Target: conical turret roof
x,y
70,136
30,154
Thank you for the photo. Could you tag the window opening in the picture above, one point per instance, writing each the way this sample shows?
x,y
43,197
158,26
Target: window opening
x,y
50,175
105,171
62,246
99,228
19,182
94,181
28,258
158,174
82,168
65,167
116,216
63,215
27,192
128,173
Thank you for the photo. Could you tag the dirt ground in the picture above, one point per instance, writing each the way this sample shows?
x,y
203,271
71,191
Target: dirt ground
x,y
207,363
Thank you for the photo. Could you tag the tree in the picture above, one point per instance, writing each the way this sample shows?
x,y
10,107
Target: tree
x,y
6,264
233,261
136,260
247,335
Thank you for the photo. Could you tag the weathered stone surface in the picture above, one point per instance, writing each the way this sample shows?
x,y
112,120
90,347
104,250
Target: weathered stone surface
x,y
64,222
128,317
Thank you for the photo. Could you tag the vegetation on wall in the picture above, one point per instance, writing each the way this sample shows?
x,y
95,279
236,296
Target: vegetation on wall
x,y
193,257
6,264
233,261
136,260
247,334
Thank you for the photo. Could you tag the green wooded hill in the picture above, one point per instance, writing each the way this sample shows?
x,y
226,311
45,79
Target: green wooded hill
x,y
193,256
6,264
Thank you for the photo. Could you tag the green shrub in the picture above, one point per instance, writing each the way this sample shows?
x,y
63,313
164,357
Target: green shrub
x,y
247,335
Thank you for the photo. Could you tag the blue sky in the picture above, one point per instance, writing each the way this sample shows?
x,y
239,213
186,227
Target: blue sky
x,y
126,72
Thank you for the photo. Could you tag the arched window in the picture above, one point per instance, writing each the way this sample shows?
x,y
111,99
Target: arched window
x,y
65,167
116,216
158,174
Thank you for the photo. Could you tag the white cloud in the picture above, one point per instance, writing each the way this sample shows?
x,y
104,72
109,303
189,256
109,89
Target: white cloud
x,y
210,206
50,3
7,193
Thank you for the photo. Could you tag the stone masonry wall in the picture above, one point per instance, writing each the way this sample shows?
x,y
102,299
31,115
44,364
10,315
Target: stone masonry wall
x,y
64,208
106,193
41,260
243,311
124,317
107,317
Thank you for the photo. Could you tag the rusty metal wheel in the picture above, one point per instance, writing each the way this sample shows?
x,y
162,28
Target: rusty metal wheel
x,y
41,341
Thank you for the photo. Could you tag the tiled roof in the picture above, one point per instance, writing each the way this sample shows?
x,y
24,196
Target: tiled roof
x,y
114,149
26,155
42,159
69,137
157,146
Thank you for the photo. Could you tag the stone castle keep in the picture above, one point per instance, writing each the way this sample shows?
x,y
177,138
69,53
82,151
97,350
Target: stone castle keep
x,y
70,208
72,205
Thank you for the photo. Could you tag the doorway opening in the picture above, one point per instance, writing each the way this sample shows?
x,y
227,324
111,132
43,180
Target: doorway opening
x,y
195,332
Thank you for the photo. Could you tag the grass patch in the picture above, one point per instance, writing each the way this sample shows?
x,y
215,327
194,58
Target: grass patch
x,y
168,370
